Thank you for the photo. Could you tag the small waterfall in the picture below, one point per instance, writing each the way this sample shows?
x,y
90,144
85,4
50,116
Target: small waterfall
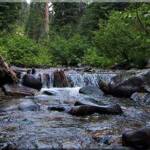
x,y
75,78
78,79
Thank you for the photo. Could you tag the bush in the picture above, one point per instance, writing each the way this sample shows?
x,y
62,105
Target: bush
x,y
68,51
22,51
120,39
92,58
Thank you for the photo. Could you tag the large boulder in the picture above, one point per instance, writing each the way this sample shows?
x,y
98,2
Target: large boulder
x,y
7,75
84,110
141,98
31,81
18,90
60,80
91,90
81,109
139,139
124,85
28,105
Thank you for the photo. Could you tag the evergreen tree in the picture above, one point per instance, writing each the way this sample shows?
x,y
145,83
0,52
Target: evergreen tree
x,y
96,12
38,23
9,14
67,14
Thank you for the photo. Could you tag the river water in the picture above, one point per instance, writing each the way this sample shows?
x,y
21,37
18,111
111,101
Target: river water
x,y
45,129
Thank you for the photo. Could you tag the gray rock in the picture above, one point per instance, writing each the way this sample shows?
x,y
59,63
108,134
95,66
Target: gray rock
x,y
91,90
30,81
125,84
48,92
28,105
18,90
137,139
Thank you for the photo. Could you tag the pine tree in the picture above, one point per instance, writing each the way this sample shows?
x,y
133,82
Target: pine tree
x,y
37,26
9,14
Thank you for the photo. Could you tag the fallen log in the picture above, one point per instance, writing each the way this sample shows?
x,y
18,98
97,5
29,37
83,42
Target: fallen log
x,y
7,75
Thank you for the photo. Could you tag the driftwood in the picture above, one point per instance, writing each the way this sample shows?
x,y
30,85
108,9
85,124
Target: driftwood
x,y
7,75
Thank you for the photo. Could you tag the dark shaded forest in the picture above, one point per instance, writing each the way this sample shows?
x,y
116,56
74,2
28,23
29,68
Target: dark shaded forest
x,y
75,34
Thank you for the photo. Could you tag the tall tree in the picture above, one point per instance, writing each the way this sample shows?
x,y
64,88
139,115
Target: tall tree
x,y
66,13
9,14
94,13
38,22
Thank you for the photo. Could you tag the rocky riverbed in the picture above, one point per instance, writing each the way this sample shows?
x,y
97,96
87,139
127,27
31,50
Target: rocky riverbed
x,y
27,123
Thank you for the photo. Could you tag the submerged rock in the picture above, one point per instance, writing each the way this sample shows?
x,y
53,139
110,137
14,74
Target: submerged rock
x,y
60,80
31,81
91,90
28,105
141,98
18,90
139,139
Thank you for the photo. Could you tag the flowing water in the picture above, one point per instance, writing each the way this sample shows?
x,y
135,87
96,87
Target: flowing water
x,y
45,129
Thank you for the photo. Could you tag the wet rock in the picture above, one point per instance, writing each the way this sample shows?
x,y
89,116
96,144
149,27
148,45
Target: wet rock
x,y
141,98
104,87
60,80
28,105
81,109
106,140
115,147
46,80
10,146
7,75
137,139
56,108
49,92
85,110
31,81
124,85
90,90
18,90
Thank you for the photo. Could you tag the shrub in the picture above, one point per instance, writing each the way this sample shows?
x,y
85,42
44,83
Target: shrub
x,y
68,51
120,39
20,50
92,58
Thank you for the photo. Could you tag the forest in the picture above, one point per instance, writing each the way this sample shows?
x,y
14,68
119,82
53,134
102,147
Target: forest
x,y
74,75
75,34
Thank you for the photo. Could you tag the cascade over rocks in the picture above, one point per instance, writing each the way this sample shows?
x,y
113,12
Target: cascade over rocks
x,y
139,139
60,80
18,90
7,75
31,81
124,85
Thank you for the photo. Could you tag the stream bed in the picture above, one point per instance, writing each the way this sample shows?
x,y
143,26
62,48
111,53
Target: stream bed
x,y
44,129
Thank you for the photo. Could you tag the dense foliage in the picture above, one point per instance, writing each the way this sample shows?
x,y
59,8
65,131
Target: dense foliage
x,y
95,34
